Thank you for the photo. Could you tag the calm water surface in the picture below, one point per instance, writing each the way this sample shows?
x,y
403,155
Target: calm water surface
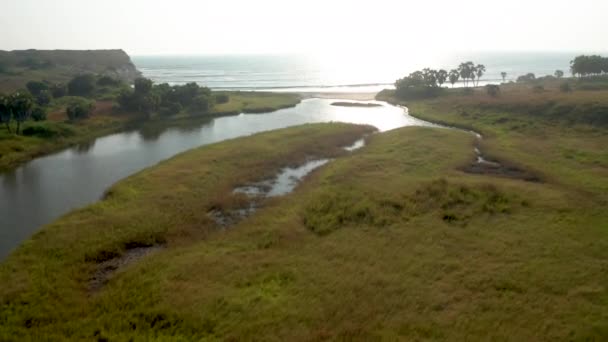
x,y
48,187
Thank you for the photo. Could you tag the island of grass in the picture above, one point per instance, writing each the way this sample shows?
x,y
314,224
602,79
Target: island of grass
x,y
394,241
356,104
89,106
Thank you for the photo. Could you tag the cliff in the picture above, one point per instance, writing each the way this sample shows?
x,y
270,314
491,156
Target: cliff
x,y
20,66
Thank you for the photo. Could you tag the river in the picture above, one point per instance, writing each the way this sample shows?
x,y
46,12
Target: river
x,y
42,190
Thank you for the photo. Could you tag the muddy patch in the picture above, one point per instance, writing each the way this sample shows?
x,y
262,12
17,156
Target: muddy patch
x,y
284,183
482,166
107,269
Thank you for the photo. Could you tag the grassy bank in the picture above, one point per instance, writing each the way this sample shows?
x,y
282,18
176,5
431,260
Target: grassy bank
x,y
560,135
58,133
391,242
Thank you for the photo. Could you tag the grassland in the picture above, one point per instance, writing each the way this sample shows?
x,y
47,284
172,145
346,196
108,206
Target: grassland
x,y
391,242
562,136
60,133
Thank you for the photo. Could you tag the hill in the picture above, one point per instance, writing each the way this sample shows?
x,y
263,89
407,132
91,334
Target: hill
x,y
21,66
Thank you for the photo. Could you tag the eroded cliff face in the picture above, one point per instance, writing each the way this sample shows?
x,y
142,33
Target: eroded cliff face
x,y
20,66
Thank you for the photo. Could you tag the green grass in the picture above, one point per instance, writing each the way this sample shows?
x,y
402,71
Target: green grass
x,y
560,135
256,102
391,242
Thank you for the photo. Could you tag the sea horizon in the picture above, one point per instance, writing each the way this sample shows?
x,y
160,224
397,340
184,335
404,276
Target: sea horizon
x,y
303,73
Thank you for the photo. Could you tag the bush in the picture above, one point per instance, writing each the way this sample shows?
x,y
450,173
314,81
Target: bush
x,y
38,114
417,93
46,130
143,86
492,90
222,98
133,101
202,104
79,109
565,87
170,110
58,90
468,91
40,131
107,81
43,98
538,89
526,78
82,85
35,87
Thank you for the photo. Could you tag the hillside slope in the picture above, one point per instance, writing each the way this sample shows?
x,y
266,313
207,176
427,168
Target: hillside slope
x,y
20,66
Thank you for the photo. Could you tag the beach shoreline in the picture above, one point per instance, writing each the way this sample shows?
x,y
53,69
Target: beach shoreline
x,y
370,96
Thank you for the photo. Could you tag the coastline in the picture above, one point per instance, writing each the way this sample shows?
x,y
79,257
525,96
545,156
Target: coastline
x,y
369,96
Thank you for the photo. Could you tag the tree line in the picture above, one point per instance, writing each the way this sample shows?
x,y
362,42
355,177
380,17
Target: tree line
x,y
429,82
589,65
34,102
18,107
79,94
166,100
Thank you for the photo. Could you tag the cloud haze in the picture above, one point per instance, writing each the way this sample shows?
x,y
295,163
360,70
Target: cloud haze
x,y
315,26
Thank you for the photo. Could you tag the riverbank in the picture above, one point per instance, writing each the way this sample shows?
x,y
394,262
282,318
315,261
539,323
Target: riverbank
x,y
398,226
60,133
551,133
371,230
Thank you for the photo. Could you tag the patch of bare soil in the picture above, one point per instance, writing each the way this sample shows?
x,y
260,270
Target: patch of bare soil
x,y
107,269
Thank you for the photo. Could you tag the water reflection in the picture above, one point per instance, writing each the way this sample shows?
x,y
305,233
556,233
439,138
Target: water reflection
x,y
42,190
84,147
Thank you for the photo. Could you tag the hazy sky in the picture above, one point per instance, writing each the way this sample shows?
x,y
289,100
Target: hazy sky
x,y
325,27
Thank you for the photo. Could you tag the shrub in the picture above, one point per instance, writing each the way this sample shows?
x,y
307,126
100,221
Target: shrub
x,y
38,114
43,98
58,90
222,98
82,85
526,78
202,104
143,86
538,89
468,91
35,87
492,90
170,110
79,109
565,87
40,131
46,130
107,81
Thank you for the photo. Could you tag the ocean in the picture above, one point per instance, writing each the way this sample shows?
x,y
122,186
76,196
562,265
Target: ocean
x,y
300,73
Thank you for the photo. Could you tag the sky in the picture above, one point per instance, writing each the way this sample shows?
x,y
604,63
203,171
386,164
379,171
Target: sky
x,y
319,27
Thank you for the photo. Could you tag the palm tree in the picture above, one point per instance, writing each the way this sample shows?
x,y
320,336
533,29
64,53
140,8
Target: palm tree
x,y
466,71
504,76
442,76
21,105
480,69
454,76
5,112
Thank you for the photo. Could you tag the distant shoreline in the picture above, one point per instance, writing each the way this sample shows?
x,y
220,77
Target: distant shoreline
x,y
339,96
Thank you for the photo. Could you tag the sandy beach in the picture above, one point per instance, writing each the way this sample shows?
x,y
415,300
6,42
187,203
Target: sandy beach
x,y
344,96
